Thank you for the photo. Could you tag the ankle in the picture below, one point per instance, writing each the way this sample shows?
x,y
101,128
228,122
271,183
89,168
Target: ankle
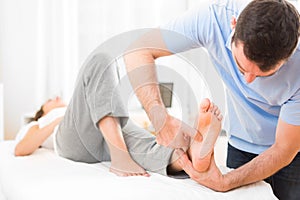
x,y
120,156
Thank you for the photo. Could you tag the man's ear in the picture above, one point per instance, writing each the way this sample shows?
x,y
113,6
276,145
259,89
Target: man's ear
x,y
233,22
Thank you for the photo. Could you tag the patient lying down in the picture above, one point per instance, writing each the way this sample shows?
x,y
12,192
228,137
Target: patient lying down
x,y
122,164
200,150
40,131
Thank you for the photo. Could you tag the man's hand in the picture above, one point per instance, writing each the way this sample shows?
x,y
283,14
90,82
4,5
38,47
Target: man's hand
x,y
171,132
175,133
212,178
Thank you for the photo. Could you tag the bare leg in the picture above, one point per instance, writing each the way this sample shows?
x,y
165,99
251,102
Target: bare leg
x,y
121,161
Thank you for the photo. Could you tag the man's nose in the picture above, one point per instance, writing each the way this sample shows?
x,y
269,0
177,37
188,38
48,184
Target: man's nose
x,y
249,78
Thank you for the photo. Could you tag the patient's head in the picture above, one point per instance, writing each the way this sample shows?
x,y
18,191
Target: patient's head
x,y
48,106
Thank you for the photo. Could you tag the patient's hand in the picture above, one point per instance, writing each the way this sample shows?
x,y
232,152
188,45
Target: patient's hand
x,y
212,178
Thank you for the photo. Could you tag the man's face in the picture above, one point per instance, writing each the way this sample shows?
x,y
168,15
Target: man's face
x,y
248,68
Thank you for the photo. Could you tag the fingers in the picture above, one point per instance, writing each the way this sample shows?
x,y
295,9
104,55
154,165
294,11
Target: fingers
x,y
194,134
185,163
175,134
181,140
190,132
160,140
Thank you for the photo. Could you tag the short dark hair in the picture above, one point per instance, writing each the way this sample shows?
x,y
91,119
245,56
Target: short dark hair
x,y
269,30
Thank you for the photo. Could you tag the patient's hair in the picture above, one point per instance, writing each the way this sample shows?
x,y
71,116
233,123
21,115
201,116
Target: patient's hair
x,y
269,30
39,114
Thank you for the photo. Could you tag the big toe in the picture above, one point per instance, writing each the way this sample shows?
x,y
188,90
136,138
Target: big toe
x,y
204,105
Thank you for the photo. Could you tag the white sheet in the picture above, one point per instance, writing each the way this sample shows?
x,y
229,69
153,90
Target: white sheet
x,y
44,175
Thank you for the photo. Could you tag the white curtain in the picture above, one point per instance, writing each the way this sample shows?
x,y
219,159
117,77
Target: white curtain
x,y
68,30
100,20
57,48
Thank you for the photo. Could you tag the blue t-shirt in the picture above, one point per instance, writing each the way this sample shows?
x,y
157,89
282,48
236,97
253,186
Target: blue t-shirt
x,y
253,109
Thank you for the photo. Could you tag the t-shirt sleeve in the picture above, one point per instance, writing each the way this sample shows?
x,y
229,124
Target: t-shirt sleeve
x,y
23,131
290,111
191,30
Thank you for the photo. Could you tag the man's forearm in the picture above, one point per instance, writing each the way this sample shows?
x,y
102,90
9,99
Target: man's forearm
x,y
142,75
141,71
140,64
261,167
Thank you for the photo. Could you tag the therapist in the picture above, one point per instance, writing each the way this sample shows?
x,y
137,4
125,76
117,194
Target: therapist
x,y
254,48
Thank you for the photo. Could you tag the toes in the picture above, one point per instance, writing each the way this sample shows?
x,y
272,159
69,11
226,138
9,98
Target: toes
x,y
211,107
121,174
217,112
205,105
128,173
220,117
215,109
145,174
141,174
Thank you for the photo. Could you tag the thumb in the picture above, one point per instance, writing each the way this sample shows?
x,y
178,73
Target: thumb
x,y
186,164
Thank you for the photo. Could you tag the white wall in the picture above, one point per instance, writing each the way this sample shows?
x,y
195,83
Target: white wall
x,y
199,57
102,19
198,74
19,66
17,60
1,114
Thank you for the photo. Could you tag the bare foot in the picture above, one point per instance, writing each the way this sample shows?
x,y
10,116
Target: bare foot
x,y
125,166
209,125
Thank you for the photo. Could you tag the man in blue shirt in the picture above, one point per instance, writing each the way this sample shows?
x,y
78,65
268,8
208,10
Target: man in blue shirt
x,y
254,48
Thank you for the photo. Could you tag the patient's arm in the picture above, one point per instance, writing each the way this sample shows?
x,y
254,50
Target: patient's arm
x,y
34,138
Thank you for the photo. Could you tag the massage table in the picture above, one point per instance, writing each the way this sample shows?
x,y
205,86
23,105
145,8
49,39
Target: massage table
x,y
44,175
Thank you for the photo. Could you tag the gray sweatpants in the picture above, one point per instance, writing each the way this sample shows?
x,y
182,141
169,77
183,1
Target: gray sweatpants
x,y
97,94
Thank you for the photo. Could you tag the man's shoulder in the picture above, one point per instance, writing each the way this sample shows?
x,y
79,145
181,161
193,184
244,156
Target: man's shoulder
x,y
235,6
